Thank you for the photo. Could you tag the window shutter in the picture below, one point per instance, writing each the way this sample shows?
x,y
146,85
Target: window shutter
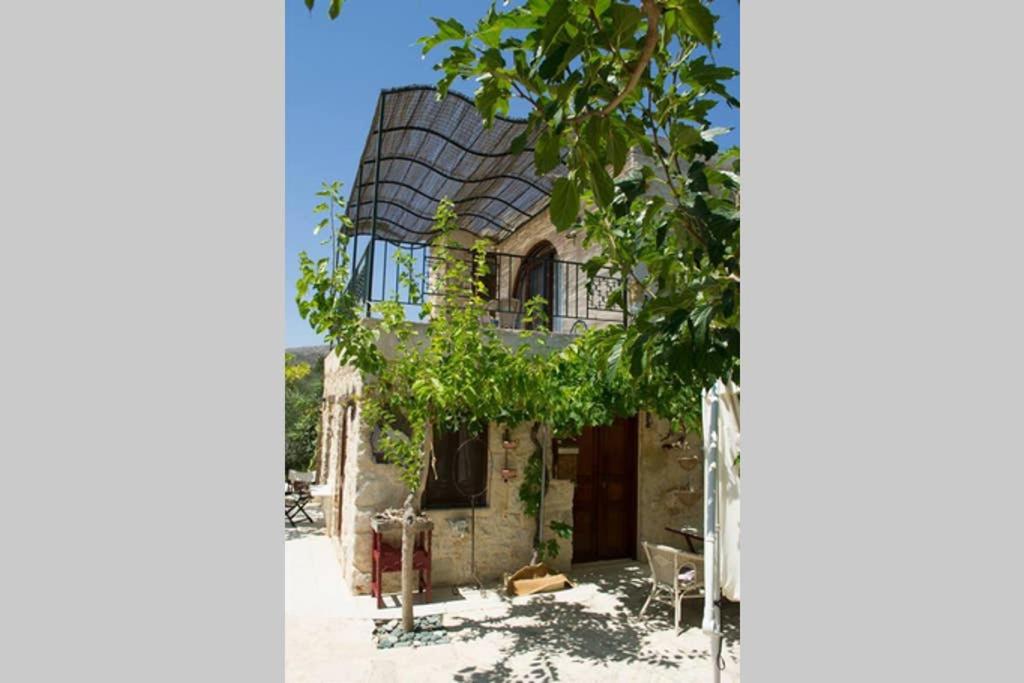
x,y
461,473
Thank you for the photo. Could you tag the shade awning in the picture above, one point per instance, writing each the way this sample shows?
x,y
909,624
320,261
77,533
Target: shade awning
x,y
431,149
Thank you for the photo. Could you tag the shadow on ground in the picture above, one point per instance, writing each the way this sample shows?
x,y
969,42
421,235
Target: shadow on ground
x,y
304,527
605,629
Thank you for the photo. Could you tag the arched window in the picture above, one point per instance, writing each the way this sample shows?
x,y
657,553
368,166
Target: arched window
x,y
536,277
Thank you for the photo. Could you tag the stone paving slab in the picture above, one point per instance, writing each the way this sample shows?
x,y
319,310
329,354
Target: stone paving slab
x,y
588,633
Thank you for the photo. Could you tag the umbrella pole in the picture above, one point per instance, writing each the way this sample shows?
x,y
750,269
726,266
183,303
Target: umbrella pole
x,y
712,615
716,651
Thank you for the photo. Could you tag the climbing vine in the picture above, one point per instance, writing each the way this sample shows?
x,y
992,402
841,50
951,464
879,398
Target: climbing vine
x,y
529,495
448,373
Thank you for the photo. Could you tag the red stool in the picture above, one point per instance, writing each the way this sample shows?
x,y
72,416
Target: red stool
x,y
388,558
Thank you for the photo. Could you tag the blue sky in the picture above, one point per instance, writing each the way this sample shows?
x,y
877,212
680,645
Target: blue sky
x,y
333,73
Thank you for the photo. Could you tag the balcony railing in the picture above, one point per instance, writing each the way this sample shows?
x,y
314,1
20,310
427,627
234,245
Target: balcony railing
x,y
574,301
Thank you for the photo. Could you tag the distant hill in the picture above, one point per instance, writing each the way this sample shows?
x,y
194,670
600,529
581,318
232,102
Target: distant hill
x,y
312,385
314,355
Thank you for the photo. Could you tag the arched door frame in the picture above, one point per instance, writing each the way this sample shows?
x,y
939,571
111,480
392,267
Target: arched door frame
x,y
541,255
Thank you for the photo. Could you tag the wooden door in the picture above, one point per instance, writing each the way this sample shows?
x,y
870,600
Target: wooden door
x,y
604,503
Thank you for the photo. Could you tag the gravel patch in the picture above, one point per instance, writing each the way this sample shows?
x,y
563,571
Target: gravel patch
x,y
426,631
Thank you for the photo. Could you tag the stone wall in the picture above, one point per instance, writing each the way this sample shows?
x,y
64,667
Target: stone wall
x,y
568,244
670,483
504,533
341,386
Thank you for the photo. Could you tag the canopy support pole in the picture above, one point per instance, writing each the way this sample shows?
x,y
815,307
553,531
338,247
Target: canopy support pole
x,y
352,264
376,187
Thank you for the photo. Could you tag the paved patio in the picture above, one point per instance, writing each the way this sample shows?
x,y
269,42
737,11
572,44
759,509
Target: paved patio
x,y
587,633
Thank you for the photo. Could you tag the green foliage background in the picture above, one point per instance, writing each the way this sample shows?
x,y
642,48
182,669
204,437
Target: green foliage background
x,y
304,383
604,77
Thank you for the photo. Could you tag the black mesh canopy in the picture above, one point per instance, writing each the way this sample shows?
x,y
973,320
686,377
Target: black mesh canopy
x,y
431,149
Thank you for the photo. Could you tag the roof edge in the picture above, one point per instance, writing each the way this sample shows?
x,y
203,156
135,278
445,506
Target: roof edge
x,y
462,96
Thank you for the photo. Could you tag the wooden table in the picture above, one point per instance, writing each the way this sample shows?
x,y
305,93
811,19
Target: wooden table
x,y
690,536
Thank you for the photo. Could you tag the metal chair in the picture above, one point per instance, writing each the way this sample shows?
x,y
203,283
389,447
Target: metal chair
x,y
296,505
675,571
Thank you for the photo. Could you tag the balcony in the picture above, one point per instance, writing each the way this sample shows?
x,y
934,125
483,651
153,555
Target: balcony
x,y
420,149
574,301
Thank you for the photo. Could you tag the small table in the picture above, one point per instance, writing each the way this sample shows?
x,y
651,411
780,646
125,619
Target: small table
x,y
388,558
690,535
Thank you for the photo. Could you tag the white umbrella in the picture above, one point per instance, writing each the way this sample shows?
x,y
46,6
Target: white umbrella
x,y
721,422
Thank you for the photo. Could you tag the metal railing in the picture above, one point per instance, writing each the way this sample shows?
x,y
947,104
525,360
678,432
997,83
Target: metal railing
x,y
574,301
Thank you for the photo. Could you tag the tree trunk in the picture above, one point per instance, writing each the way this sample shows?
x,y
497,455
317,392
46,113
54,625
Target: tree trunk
x,y
412,510
544,437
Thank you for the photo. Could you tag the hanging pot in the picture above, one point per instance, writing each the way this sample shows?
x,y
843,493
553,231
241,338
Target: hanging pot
x,y
688,462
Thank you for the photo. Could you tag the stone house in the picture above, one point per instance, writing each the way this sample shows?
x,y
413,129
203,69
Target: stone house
x,y
616,485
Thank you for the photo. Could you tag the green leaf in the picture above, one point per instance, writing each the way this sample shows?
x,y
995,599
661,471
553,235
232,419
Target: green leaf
x,y
334,10
554,20
601,6
491,36
602,185
518,142
637,360
546,155
590,134
618,150
489,29
699,21
553,61
309,4
595,264
625,19
449,29
683,136
565,203
561,528
698,179
700,317
699,72
519,18
487,98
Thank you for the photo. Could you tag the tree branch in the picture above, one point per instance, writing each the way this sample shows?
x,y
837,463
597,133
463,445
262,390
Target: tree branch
x,y
650,43
524,95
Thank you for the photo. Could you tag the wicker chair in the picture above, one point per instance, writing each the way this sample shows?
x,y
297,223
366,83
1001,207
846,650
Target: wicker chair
x,y
675,571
